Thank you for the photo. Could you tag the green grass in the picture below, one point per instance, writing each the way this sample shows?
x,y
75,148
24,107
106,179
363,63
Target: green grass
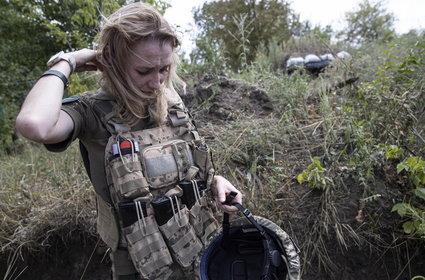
x,y
43,193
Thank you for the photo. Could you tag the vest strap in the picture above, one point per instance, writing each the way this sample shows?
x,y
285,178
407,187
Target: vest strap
x,y
139,183
191,173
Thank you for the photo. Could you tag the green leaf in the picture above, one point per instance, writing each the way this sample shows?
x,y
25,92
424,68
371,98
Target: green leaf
x,y
408,227
318,164
301,177
401,166
416,181
420,192
400,208
393,151
412,161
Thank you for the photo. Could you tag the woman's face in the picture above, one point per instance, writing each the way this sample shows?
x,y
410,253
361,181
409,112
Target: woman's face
x,y
149,64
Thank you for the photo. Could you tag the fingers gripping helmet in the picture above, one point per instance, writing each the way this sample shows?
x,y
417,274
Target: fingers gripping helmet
x,y
250,248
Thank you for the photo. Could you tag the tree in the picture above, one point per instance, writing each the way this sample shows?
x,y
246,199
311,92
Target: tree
x,y
243,25
31,32
371,22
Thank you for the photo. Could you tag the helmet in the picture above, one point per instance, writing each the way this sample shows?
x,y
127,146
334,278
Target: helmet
x,y
250,247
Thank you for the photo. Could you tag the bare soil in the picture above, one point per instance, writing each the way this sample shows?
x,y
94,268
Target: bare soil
x,y
371,250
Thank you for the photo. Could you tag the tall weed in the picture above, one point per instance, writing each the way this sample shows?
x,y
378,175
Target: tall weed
x,y
41,195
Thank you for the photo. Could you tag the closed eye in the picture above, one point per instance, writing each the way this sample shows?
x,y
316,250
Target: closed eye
x,y
165,69
143,72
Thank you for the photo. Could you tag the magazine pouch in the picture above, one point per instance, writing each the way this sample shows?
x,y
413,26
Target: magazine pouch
x,y
203,221
180,236
147,248
200,216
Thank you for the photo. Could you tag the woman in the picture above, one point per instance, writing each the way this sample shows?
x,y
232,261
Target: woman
x,y
141,149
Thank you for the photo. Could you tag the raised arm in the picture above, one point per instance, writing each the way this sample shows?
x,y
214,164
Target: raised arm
x,y
41,118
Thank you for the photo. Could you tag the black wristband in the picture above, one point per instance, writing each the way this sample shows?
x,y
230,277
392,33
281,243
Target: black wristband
x,y
58,74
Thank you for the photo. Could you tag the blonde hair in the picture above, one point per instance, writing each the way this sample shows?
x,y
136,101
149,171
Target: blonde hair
x,y
127,26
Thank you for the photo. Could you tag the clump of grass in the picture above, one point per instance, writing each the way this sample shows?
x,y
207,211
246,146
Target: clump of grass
x,y
42,194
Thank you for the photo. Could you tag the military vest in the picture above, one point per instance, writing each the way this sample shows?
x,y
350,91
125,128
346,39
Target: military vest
x,y
159,181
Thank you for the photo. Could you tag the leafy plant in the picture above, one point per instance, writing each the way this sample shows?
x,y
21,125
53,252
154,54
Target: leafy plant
x,y
315,176
415,168
393,152
416,223
242,37
206,58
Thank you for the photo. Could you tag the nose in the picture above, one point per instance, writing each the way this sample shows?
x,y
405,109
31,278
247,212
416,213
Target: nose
x,y
155,80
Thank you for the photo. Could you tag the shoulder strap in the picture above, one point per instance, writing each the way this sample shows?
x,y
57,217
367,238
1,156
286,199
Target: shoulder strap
x,y
104,109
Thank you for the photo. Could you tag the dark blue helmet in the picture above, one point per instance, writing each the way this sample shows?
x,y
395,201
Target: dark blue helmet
x,y
250,247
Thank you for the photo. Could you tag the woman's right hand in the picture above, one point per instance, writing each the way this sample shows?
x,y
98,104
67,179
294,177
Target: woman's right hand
x,y
85,60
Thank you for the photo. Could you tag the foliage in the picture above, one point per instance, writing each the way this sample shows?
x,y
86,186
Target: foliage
x,y
392,104
415,225
370,22
315,175
206,58
267,18
415,168
393,152
396,88
385,121
31,32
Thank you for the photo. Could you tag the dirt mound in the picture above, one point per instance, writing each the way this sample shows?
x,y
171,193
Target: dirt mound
x,y
218,99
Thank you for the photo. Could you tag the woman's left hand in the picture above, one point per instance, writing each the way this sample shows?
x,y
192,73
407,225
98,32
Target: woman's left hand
x,y
222,189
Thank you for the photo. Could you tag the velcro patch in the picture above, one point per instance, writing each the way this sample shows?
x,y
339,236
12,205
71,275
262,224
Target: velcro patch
x,y
70,100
